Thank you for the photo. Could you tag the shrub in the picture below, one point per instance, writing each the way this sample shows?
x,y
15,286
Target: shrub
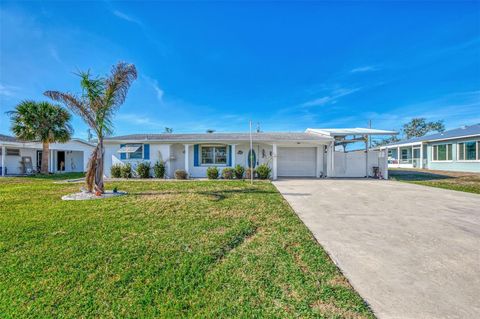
x,y
116,170
159,169
247,173
212,172
239,170
181,174
263,171
227,173
127,170
143,170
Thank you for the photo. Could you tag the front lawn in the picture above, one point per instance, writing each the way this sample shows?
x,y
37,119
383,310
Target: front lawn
x,y
465,182
168,249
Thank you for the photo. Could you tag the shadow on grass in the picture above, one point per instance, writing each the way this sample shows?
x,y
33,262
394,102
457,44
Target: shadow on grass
x,y
215,195
411,175
58,176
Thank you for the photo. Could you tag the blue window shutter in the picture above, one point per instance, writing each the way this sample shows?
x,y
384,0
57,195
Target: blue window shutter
x,y
195,155
229,155
252,155
123,155
146,151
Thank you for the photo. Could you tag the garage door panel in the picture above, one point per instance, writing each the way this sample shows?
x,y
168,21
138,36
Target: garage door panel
x,y
296,161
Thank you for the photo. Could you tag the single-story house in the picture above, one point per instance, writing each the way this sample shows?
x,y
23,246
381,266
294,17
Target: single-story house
x,y
452,150
300,154
21,157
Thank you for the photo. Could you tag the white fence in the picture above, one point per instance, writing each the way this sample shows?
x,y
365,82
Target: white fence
x,y
353,164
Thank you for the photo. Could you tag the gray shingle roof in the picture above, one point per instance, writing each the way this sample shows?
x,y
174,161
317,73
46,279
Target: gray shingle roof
x,y
207,137
455,133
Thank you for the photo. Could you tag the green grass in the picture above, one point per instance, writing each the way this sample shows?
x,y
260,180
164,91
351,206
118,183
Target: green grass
x,y
59,176
463,182
168,249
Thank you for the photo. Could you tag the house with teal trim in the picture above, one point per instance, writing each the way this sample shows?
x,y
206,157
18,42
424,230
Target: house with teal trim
x,y
452,150
312,153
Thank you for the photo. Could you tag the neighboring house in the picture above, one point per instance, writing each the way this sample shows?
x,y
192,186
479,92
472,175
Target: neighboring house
x,y
453,150
20,157
308,154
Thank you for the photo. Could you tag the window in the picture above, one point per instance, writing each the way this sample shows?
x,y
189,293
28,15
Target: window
x,y
442,152
468,151
404,154
12,152
132,151
214,155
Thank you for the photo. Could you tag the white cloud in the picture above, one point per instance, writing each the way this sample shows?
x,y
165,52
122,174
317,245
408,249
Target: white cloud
x,y
54,54
331,98
125,17
7,90
366,68
156,88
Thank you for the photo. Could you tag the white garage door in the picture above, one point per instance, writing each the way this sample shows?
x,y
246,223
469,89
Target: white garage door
x,y
296,161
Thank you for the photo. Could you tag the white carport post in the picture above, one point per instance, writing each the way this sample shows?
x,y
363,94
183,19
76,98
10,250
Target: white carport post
x,y
331,160
366,156
274,162
3,160
187,159
319,165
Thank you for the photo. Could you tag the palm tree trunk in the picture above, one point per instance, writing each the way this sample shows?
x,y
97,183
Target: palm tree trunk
x,y
91,168
45,151
99,187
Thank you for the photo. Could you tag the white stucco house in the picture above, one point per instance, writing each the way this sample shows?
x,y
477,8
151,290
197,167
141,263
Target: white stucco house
x,y
313,153
19,157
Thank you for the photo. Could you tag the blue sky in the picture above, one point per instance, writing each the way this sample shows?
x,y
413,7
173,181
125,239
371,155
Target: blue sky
x,y
217,65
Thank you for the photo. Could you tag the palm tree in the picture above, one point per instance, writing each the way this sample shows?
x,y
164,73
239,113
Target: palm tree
x,y
41,121
99,100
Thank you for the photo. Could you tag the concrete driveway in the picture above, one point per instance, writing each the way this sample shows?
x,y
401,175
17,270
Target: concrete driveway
x,y
411,251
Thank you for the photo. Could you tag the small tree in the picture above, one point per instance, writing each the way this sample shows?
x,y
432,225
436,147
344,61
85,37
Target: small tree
x,y
418,127
41,121
99,100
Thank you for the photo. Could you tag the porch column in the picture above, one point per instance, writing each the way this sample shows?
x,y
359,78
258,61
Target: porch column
x,y
411,155
52,161
319,166
3,160
232,160
421,155
398,156
187,158
274,162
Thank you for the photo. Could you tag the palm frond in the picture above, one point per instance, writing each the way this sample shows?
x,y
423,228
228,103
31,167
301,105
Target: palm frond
x,y
76,105
117,85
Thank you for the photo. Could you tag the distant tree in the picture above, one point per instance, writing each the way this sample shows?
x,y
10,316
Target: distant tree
x,y
386,141
99,100
168,130
43,122
418,127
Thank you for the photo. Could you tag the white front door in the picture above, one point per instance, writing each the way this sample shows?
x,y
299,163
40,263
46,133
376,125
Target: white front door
x,y
296,161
